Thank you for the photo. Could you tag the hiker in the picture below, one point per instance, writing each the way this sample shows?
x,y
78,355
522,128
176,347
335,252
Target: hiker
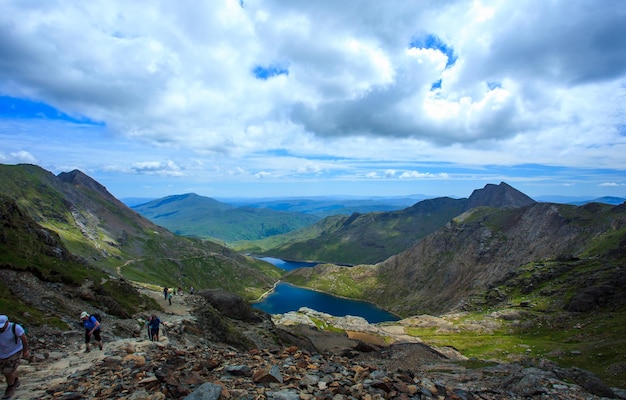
x,y
155,323
148,327
92,328
13,346
165,290
169,298
191,290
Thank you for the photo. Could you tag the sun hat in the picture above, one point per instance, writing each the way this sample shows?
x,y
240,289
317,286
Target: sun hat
x,y
84,315
3,320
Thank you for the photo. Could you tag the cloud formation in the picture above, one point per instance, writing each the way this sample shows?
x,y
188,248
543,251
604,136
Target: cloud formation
x,y
235,83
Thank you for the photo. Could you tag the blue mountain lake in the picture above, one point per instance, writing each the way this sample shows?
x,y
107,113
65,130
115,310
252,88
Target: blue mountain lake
x,y
286,297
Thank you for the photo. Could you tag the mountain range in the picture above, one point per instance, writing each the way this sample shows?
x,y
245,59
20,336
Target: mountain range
x,y
485,246
555,273
347,239
207,218
373,237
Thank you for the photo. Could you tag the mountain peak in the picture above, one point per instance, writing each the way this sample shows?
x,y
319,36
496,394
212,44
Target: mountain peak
x,y
78,178
502,195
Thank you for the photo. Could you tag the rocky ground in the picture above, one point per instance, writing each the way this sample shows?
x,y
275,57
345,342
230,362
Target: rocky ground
x,y
184,363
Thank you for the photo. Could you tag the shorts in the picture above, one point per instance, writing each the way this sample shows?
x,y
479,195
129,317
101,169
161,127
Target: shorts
x,y
9,365
96,336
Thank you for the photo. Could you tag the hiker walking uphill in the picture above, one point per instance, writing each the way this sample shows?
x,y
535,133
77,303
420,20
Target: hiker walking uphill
x,y
13,345
92,328
155,324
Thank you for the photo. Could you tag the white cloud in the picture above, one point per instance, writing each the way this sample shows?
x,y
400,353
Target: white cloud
x,y
532,83
18,157
263,174
157,168
422,175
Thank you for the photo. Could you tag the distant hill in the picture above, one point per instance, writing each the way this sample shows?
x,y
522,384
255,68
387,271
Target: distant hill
x,y
604,200
101,231
198,216
579,200
373,237
328,206
135,201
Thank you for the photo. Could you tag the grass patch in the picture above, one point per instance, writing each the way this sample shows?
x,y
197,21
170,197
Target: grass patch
x,y
324,326
593,341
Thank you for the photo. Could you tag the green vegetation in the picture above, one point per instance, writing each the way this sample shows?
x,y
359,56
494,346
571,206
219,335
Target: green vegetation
x,y
202,217
24,313
324,326
100,236
250,278
350,282
526,317
592,341
360,238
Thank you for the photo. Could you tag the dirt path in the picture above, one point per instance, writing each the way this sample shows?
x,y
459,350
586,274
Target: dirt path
x,y
52,367
178,306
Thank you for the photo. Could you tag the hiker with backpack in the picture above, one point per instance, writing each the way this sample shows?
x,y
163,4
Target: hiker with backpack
x,y
92,328
13,346
155,324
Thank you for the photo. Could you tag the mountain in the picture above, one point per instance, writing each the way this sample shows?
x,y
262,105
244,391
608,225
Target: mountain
x,y
552,277
323,207
605,200
579,200
198,216
500,196
101,231
370,237
373,237
485,246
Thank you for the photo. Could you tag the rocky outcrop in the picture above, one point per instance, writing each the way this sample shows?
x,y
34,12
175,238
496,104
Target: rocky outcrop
x,y
141,370
499,196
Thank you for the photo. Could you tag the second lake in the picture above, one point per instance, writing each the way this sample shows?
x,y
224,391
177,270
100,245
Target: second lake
x,y
287,297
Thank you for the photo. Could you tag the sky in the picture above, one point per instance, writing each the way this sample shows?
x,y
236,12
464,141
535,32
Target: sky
x,y
268,98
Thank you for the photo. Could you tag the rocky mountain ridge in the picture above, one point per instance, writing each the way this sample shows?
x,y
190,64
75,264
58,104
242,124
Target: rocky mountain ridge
x,y
373,237
472,252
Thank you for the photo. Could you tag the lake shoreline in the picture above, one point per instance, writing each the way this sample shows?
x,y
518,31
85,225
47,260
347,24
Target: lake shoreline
x,y
267,292
289,294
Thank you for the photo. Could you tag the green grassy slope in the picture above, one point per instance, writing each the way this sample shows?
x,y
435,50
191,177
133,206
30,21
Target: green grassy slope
x,y
203,217
27,249
361,238
101,230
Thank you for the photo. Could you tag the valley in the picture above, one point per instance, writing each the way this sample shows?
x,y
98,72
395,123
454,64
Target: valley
x,y
499,277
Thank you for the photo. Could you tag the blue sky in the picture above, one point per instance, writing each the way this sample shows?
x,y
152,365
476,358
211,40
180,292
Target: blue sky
x,y
271,98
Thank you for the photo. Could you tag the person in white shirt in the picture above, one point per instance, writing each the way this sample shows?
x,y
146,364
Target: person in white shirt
x,y
13,346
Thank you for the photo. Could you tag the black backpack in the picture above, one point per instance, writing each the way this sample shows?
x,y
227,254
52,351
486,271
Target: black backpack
x,y
97,317
13,325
